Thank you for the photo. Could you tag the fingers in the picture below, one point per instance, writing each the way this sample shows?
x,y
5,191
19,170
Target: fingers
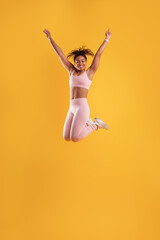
x,y
108,31
46,31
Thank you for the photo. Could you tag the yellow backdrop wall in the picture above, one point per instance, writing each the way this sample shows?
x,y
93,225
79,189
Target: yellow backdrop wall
x,y
107,185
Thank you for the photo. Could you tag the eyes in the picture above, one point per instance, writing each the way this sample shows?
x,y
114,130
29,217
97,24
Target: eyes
x,y
78,61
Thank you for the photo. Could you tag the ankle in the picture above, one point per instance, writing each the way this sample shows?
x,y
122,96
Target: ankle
x,y
96,126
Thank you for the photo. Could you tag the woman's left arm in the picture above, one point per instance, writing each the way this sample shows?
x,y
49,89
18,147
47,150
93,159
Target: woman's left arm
x,y
96,59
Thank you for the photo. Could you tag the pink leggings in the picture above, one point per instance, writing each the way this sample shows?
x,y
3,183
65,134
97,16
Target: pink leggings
x,y
75,127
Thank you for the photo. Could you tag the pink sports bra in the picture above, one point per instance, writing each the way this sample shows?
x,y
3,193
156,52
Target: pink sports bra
x,y
80,81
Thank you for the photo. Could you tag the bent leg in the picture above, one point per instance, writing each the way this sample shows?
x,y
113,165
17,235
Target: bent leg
x,y
79,128
67,126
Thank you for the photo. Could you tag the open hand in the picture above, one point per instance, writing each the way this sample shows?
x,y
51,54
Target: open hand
x,y
47,33
108,34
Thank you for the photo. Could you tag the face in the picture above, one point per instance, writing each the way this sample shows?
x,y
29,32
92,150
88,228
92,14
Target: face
x,y
80,63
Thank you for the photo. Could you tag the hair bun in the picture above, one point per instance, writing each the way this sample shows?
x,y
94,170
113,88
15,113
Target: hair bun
x,y
82,51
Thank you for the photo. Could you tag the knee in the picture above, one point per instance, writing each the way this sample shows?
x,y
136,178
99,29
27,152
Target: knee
x,y
66,138
74,136
74,139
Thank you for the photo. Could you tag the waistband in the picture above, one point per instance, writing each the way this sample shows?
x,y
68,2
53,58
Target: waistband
x,y
78,100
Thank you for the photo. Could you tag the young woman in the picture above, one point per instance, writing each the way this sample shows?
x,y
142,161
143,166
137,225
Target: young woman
x,y
78,125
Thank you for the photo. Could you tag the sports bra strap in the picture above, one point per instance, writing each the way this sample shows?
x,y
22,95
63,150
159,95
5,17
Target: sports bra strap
x,y
73,71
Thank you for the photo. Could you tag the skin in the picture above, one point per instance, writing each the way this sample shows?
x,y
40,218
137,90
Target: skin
x,y
80,92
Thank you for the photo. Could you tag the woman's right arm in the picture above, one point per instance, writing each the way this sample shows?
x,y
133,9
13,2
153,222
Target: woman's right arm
x,y
68,65
55,46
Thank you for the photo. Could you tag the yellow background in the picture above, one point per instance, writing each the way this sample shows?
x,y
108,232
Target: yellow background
x,y
107,186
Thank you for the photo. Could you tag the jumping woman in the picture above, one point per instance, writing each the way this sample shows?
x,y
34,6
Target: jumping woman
x,y
78,125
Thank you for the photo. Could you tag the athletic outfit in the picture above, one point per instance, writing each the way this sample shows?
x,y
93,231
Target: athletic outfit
x,y
75,127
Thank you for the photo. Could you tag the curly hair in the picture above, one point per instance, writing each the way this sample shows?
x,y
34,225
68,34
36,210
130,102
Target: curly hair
x,y
80,52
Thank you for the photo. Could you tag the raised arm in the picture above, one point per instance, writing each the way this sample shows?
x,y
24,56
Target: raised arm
x,y
68,65
96,60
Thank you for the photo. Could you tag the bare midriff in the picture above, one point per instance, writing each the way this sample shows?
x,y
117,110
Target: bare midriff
x,y
78,92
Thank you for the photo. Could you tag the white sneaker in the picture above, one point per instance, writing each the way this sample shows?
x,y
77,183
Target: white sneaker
x,y
89,121
100,123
